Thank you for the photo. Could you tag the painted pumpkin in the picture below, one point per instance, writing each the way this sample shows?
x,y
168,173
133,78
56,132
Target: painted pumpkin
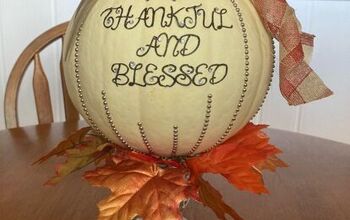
x,y
167,77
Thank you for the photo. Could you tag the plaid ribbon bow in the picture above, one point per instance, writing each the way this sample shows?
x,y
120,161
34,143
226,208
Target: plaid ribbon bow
x,y
299,84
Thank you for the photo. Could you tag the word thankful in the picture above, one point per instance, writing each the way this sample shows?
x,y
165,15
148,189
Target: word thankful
x,y
138,74
184,17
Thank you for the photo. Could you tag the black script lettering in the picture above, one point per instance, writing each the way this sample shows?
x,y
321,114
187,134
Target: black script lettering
x,y
185,45
183,17
169,75
121,70
219,73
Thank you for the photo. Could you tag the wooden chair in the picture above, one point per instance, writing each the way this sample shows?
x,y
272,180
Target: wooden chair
x,y
40,83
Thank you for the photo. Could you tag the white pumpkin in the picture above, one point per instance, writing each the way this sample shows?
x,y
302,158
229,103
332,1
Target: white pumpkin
x,y
168,77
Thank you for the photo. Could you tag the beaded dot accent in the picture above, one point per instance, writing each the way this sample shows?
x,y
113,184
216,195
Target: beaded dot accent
x,y
175,140
144,137
246,75
272,73
205,125
79,86
110,120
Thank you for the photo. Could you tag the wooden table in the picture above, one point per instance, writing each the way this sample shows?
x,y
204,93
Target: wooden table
x,y
315,186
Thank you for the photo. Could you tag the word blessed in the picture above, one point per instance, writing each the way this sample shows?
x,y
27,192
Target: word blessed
x,y
184,17
138,74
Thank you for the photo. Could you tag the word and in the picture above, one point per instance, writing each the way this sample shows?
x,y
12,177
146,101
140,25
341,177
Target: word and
x,y
185,45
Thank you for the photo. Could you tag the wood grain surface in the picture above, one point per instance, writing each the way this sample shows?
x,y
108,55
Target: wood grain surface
x,y
316,186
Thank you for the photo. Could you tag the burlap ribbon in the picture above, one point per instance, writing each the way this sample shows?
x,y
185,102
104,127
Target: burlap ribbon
x,y
299,84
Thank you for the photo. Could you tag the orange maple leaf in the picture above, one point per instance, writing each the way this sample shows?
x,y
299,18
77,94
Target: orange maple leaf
x,y
140,189
236,159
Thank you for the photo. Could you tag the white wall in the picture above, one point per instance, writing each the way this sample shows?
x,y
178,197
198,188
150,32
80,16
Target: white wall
x,y
23,20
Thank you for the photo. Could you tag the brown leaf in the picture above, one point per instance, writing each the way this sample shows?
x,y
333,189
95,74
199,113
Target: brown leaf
x,y
139,189
78,158
69,143
211,198
272,163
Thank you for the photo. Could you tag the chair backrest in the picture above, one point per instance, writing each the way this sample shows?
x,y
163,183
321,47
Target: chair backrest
x,y
40,83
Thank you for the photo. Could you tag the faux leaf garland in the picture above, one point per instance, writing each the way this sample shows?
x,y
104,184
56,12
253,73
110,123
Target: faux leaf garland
x,y
152,188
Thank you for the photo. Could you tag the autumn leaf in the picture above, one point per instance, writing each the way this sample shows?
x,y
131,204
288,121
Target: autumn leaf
x,y
272,163
80,149
211,198
71,142
236,159
78,158
140,189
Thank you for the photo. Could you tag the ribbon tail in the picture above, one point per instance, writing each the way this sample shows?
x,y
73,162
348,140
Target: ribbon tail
x,y
299,84
308,85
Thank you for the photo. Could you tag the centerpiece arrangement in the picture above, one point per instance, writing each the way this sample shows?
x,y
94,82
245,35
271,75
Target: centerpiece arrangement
x,y
168,88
